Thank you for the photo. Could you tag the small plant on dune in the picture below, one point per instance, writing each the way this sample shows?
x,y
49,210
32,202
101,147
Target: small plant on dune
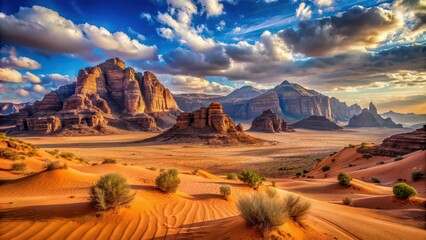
x,y
231,176
195,172
404,191
325,168
168,181
305,171
109,161
347,201
67,155
7,153
53,152
152,168
344,180
111,192
55,165
298,174
365,145
3,135
417,176
273,183
251,178
375,180
83,160
398,158
225,190
297,207
352,145
19,166
32,153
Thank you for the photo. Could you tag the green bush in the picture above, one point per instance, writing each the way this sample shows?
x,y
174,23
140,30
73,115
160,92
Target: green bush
x,y
251,178
55,165
398,158
352,145
195,172
19,166
168,181
53,152
347,201
298,174
417,176
109,161
344,180
231,176
325,168
364,145
404,191
83,160
111,192
225,190
67,155
375,180
9,154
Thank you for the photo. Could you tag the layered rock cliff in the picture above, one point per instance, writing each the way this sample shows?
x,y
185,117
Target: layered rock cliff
x,y
109,90
370,118
269,122
9,108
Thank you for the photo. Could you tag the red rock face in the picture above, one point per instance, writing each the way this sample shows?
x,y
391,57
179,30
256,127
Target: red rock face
x,y
211,118
269,122
400,144
157,97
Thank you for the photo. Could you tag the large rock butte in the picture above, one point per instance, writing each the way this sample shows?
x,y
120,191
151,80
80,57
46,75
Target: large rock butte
x,y
206,125
109,90
370,118
316,123
269,122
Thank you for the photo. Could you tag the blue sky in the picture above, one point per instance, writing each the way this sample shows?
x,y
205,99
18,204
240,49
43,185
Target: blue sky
x,y
357,51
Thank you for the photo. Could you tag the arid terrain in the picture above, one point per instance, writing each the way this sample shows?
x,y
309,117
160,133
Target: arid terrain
x,y
37,204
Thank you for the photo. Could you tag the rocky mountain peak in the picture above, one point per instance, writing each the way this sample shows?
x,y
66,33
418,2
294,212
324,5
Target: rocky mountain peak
x,y
113,63
372,108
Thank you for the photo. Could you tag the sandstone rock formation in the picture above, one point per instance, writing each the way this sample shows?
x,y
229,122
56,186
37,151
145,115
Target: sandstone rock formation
x,y
9,108
316,123
206,125
106,91
400,144
288,100
269,122
370,118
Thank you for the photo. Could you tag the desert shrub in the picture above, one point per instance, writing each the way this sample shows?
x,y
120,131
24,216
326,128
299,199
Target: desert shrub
x,y
111,192
347,201
417,176
53,152
32,153
109,161
231,176
225,190
3,135
152,168
162,169
195,172
95,163
375,180
352,145
83,160
273,183
367,156
261,211
398,158
19,166
305,171
298,174
251,178
404,191
380,163
325,168
55,165
344,179
296,206
364,145
67,155
168,181
7,153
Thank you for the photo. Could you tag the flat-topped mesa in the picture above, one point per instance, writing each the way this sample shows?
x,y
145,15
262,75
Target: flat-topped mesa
x,y
210,117
269,122
316,123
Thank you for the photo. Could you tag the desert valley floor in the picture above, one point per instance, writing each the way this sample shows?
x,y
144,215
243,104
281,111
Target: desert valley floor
x,y
55,204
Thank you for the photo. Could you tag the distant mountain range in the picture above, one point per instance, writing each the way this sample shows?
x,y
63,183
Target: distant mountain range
x,y
288,100
9,108
407,119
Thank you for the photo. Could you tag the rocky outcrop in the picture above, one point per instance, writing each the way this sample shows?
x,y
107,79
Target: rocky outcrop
x,y
316,123
239,127
343,112
206,125
400,144
40,124
269,122
108,90
370,118
9,108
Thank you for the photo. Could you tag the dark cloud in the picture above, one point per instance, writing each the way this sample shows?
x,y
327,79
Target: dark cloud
x,y
356,29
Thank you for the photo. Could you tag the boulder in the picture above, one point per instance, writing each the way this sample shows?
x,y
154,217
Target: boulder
x,y
316,123
269,122
239,127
